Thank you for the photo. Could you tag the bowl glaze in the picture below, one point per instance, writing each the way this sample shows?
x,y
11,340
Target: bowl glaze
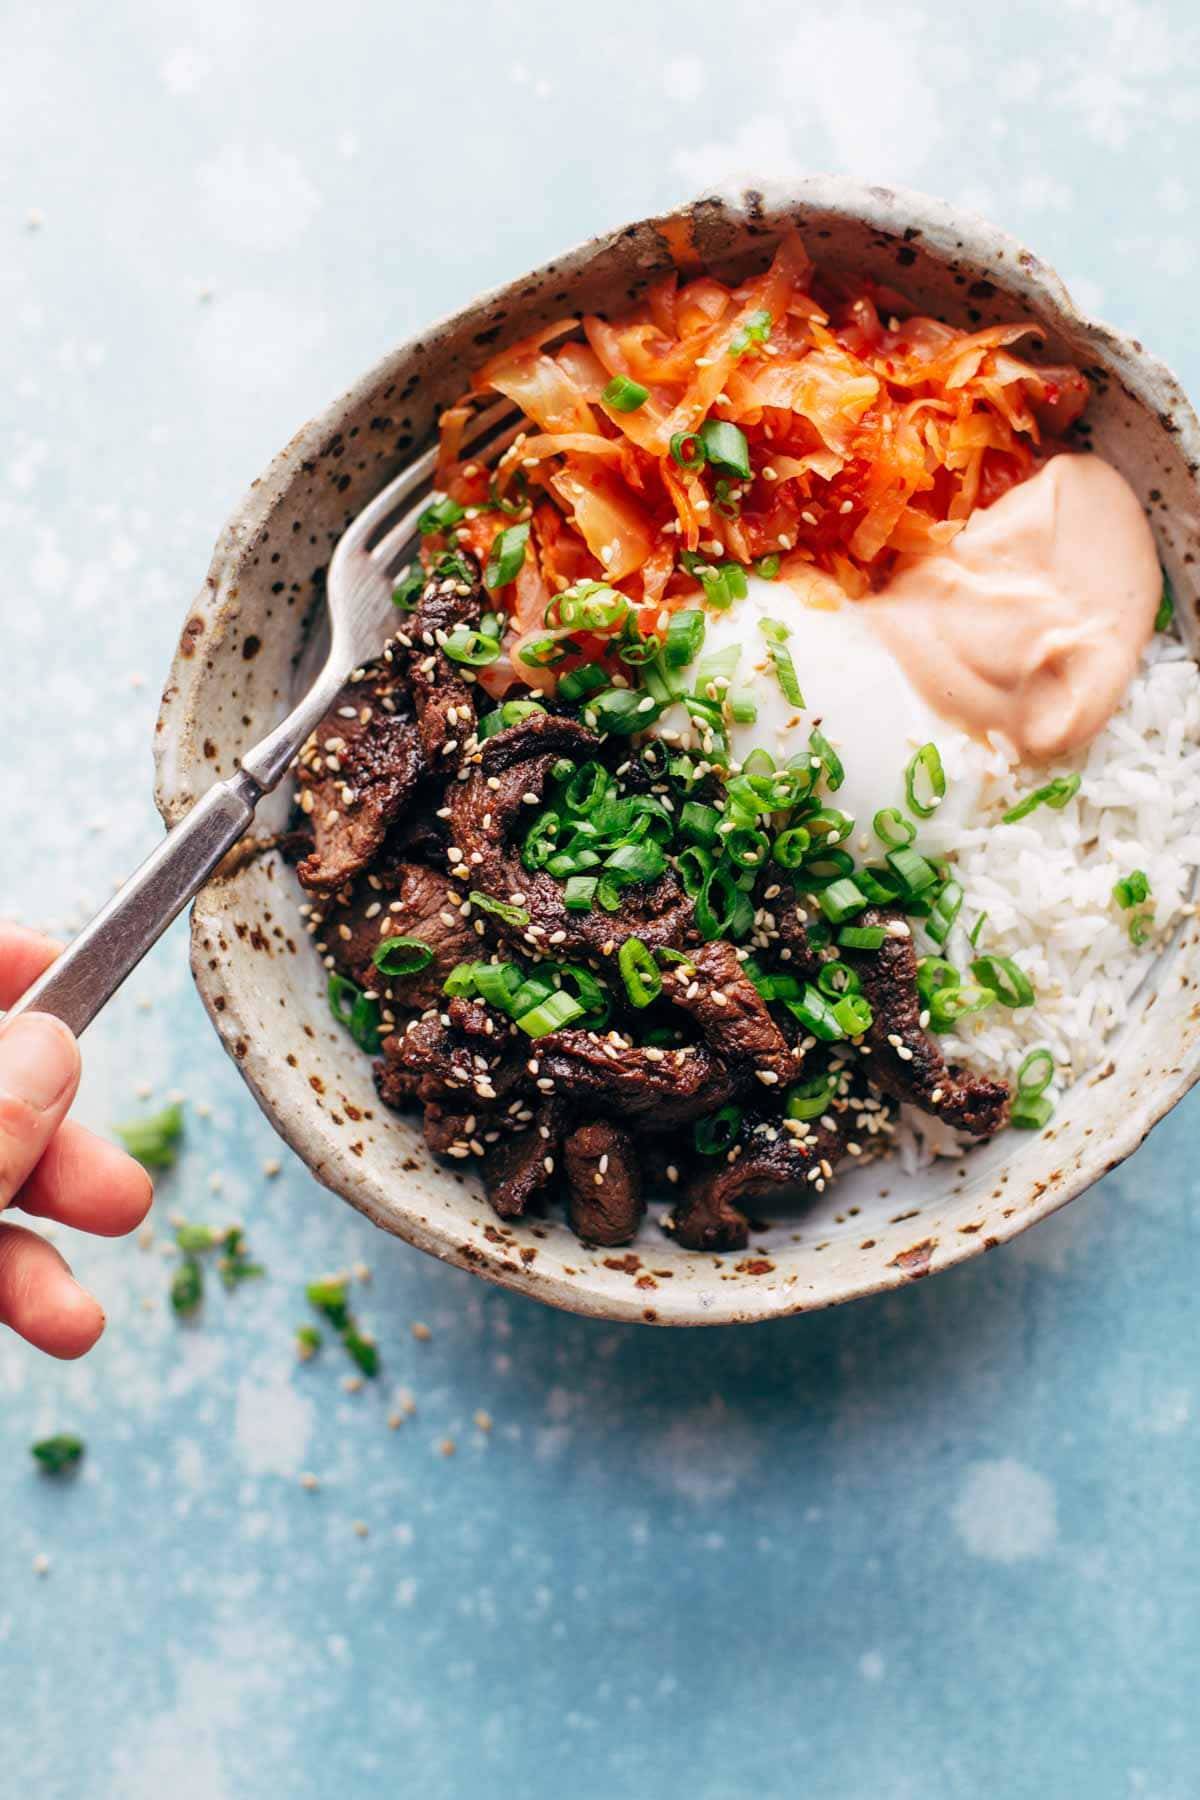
x,y
232,677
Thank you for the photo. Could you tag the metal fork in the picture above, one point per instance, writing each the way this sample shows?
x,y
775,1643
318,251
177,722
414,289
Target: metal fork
x,y
362,576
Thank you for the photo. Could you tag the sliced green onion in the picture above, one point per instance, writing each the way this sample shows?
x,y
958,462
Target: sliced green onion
x,y
722,909
58,1454
460,980
841,900
698,822
510,713
948,1004
817,1015
1055,793
535,988
768,567
507,556
829,759
925,768
913,870
639,972
154,1140
977,930
838,978
501,909
402,955
1166,606
473,648
636,862
785,668
824,867
934,973
687,449
715,1135
551,1014
579,894
588,606
756,330
693,866
589,993
496,983
578,683
1011,986
862,937
441,515
809,1099
854,1014
1036,1072
1030,1112
1140,927
892,829
748,847
725,445
621,711
685,637
624,395
743,707
409,587
945,910
881,885
791,847
1132,889
542,653
519,500
351,1008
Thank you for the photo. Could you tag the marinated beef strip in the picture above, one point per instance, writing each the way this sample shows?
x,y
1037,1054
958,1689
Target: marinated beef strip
x,y
519,1170
714,991
905,1061
490,809
604,1183
775,1157
441,694
780,922
359,768
643,1082
404,900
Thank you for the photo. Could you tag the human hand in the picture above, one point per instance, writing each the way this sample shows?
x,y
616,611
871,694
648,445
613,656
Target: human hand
x,y
50,1167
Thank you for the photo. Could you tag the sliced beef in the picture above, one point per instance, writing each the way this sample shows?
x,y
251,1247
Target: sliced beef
x,y
449,1064
717,994
770,1159
396,1085
604,1182
905,1061
781,920
519,1170
442,695
489,813
359,768
404,900
662,1087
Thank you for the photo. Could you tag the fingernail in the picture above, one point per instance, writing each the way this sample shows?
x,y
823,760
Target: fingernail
x,y
38,1060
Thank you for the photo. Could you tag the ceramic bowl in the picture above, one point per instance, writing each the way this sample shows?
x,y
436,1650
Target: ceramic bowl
x,y
233,675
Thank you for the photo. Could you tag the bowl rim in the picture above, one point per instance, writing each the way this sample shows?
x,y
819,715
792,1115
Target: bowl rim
x,y
946,231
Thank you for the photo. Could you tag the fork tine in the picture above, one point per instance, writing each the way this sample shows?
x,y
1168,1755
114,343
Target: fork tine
x,y
377,515
388,549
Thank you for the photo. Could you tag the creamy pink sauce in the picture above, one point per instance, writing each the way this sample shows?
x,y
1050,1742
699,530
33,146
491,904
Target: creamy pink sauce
x,y
1033,620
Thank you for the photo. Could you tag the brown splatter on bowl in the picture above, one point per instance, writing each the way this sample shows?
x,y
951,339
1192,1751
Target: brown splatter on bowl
x,y
232,678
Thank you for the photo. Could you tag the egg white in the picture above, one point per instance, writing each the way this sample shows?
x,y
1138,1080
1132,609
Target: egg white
x,y
854,691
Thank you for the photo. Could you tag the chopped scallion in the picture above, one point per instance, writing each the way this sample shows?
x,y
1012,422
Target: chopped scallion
x,y
624,395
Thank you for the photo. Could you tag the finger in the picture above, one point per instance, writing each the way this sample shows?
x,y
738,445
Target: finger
x,y
39,1073
88,1184
41,1299
24,955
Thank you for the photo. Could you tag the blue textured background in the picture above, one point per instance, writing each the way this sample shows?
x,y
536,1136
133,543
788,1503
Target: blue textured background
x,y
942,1544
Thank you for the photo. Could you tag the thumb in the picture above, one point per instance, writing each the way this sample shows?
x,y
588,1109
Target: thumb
x,y
39,1073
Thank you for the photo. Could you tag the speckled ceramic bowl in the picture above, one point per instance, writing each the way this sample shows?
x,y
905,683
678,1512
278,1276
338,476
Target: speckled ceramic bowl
x,y
259,976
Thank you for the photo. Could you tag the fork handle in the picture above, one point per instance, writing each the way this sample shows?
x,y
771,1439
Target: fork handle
x,y
91,969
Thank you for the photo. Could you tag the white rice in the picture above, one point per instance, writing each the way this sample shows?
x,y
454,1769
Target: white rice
x,y
1046,882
